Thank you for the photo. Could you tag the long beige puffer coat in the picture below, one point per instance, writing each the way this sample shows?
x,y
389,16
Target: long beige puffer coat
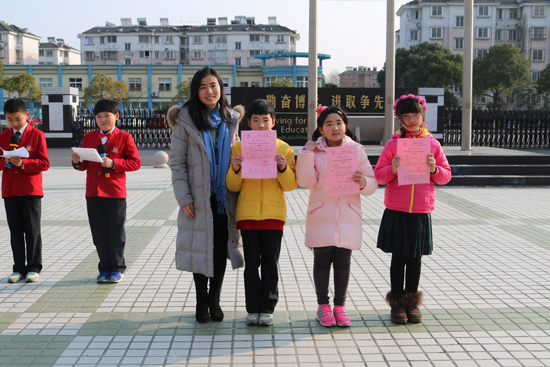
x,y
191,181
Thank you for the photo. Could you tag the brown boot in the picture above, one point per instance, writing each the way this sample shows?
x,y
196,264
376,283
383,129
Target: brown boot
x,y
414,300
397,302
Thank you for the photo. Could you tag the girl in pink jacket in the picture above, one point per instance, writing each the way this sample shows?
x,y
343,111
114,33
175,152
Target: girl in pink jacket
x,y
406,226
333,223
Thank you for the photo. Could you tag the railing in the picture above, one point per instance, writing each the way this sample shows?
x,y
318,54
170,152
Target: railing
x,y
500,128
149,128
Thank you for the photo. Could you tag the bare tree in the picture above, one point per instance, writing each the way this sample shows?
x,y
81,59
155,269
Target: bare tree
x,y
332,78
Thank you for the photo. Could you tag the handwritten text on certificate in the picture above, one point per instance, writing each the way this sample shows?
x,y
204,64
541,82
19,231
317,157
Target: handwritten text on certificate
x,y
259,149
341,165
413,167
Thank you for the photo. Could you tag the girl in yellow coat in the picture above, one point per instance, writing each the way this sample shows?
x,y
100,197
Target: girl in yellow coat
x,y
261,215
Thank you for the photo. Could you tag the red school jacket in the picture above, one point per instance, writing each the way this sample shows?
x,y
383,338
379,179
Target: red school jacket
x,y
28,181
123,151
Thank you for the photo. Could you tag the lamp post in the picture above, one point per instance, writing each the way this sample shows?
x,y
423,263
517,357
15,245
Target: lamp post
x,y
312,70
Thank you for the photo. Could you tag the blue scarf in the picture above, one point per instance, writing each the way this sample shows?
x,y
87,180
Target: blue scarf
x,y
217,173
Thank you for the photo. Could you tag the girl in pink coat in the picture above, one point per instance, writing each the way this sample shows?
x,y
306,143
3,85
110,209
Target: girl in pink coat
x,y
333,223
406,226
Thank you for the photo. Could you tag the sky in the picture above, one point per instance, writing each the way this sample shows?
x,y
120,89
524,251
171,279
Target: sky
x,y
353,32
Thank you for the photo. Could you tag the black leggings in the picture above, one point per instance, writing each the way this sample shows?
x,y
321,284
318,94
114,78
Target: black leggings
x,y
397,273
340,258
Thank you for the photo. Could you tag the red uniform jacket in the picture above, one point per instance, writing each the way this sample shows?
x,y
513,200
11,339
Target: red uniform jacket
x,y
123,151
28,181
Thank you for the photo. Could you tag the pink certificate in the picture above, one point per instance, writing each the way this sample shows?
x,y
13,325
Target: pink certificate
x,y
259,149
341,165
413,167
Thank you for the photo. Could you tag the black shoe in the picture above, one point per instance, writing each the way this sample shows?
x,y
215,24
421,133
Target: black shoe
x,y
216,312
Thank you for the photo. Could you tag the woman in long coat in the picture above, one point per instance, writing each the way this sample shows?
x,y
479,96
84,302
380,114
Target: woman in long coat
x,y
203,132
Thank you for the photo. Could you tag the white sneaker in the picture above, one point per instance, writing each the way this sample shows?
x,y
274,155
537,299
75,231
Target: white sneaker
x,y
252,318
32,277
266,319
14,278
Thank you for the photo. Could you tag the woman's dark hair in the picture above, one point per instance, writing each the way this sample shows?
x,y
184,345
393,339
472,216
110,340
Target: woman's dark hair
x,y
409,105
323,116
197,110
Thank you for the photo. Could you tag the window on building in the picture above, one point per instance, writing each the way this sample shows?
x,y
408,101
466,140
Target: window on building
x,y
197,39
535,75
459,43
498,35
65,53
301,81
513,13
169,39
40,52
75,83
89,40
539,11
292,40
156,55
397,38
280,38
165,84
537,55
499,14
413,36
157,39
255,52
539,33
134,84
482,32
243,84
237,45
414,14
255,84
211,39
483,11
456,89
266,38
459,22
184,41
225,82
221,54
144,54
436,32
89,55
111,39
238,61
512,35
49,52
127,47
46,82
127,61
107,55
437,10
481,53
144,39
254,38
197,55
169,55
211,54
102,40
221,38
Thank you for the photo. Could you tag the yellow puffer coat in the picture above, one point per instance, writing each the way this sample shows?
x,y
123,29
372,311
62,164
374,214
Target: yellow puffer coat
x,y
261,199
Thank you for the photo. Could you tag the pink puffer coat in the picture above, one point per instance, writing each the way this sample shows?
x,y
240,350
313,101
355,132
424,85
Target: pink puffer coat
x,y
418,198
332,220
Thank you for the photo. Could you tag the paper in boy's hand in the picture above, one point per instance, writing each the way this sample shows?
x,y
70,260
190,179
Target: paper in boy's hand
x,y
20,152
88,154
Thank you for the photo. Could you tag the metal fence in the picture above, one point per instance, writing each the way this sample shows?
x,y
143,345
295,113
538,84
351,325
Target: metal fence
x,y
149,128
500,128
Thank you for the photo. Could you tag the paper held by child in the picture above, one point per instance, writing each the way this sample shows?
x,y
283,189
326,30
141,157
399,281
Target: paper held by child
x,y
20,152
341,165
413,167
259,149
88,154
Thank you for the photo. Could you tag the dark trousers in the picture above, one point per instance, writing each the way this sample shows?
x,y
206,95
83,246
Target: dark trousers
x,y
261,248
107,217
413,266
340,258
221,236
23,214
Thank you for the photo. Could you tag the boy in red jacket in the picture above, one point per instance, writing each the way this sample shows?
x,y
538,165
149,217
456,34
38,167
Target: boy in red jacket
x,y
22,190
106,189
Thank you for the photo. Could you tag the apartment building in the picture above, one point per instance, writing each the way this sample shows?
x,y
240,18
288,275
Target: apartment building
x,y
218,42
17,45
57,52
359,77
525,24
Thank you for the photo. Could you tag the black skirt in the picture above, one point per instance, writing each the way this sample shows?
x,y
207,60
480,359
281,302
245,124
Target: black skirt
x,y
405,234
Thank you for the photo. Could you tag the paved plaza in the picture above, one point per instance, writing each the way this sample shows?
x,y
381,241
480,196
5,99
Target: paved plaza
x,y
487,290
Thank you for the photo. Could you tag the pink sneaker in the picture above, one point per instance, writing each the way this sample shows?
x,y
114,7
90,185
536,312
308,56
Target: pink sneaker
x,y
341,315
325,316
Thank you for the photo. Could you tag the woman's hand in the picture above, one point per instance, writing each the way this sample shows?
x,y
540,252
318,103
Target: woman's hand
x,y
431,162
188,210
359,178
237,163
395,163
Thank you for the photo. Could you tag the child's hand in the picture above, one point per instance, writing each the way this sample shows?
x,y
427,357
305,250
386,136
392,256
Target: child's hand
x,y
431,162
237,162
359,178
107,162
75,157
281,162
16,161
188,210
395,163
311,145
